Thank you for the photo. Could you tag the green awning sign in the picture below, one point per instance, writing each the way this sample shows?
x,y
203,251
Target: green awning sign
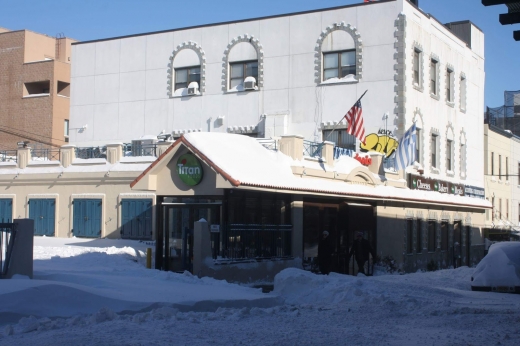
x,y
189,169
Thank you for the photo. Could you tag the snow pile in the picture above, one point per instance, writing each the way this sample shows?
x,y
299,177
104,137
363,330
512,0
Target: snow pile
x,y
98,292
500,267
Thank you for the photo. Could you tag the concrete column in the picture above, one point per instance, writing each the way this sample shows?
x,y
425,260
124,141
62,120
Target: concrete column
x,y
162,146
377,163
297,223
327,152
114,152
292,145
201,245
23,156
67,155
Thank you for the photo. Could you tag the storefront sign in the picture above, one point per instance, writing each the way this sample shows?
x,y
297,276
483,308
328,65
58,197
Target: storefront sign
x,y
473,191
189,169
427,184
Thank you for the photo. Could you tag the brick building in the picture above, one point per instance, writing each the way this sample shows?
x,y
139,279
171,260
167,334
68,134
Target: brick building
x,y
34,89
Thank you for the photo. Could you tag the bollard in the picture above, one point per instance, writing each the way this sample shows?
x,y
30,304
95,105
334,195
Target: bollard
x,y
149,258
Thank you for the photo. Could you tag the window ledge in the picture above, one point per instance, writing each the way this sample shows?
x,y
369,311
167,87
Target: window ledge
x,y
450,173
507,182
450,104
183,92
418,87
235,91
463,175
435,170
67,97
334,81
433,96
185,96
463,110
35,95
500,181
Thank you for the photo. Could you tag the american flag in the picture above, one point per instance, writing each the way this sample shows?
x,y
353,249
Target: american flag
x,y
354,119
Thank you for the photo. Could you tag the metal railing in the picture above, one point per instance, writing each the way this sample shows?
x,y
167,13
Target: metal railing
x,y
144,149
8,155
91,153
268,143
312,149
45,154
256,242
7,235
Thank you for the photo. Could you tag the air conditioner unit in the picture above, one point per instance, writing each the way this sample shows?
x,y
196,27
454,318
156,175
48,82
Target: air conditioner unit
x,y
193,88
250,83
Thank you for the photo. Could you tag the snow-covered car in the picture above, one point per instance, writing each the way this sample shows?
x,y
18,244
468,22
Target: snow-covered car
x,y
499,270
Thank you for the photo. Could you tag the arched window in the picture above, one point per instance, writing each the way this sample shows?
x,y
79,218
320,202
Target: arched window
x,y
188,70
338,52
243,65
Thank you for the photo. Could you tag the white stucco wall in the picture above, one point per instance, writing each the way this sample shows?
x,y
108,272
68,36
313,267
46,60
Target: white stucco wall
x,y
436,114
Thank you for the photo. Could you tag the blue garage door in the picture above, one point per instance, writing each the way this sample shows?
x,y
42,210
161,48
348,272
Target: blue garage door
x,y
136,219
87,218
6,210
42,211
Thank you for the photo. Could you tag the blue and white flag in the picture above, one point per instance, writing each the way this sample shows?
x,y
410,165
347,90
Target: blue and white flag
x,y
407,149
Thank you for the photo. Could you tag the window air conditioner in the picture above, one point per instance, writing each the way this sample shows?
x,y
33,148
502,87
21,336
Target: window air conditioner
x,y
250,83
193,88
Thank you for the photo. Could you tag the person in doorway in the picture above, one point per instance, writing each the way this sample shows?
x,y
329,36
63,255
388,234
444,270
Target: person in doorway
x,y
456,255
325,253
361,250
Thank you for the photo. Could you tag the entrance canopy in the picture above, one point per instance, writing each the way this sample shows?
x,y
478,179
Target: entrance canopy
x,y
241,162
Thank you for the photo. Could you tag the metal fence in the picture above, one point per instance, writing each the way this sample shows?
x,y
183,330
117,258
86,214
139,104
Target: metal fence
x,y
45,154
7,235
91,153
312,149
8,155
256,242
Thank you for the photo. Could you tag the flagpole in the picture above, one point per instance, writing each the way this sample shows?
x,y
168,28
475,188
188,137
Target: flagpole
x,y
336,124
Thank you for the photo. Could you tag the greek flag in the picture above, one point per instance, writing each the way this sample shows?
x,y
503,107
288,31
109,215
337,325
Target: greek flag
x,y
405,155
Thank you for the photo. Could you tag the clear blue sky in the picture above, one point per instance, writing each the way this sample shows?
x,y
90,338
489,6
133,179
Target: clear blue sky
x,y
95,19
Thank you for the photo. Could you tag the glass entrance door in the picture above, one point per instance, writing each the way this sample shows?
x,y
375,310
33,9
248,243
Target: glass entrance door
x,y
178,224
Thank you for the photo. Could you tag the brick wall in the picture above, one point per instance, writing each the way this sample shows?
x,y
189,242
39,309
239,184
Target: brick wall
x,y
33,118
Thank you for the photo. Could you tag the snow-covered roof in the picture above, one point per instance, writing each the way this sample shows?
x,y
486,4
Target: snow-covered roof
x,y
246,163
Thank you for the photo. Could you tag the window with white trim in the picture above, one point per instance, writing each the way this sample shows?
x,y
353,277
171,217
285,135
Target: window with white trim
x,y
340,139
433,76
418,133
433,148
449,155
184,76
463,86
507,168
463,159
239,71
339,64
449,86
417,59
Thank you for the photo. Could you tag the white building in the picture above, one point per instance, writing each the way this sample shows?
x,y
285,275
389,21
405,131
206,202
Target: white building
x,y
307,70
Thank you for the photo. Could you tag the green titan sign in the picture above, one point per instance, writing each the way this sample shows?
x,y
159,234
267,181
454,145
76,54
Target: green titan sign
x,y
189,169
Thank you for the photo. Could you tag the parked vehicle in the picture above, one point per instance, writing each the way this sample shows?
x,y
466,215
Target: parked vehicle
x,y
499,270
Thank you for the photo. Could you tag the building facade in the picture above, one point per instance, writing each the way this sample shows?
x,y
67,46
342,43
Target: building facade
x,y
294,74
34,89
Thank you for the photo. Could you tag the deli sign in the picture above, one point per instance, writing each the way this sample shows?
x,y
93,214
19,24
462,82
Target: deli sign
x,y
416,182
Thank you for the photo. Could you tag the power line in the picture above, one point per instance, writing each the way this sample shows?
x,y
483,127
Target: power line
x,y
30,138
35,134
